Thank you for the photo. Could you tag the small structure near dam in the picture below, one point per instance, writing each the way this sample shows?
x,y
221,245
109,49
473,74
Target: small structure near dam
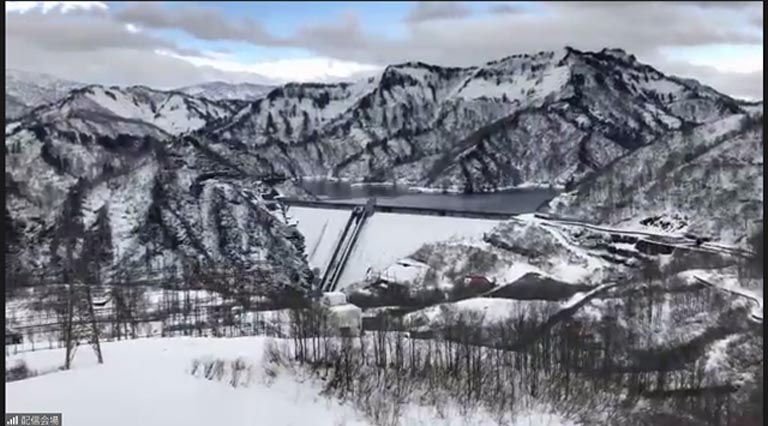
x,y
346,319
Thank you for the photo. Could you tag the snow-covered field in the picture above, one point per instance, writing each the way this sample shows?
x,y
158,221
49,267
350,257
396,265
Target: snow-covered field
x,y
489,309
502,254
494,310
149,382
405,271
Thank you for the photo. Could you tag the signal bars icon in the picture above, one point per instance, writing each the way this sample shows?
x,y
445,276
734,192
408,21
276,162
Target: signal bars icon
x,y
13,421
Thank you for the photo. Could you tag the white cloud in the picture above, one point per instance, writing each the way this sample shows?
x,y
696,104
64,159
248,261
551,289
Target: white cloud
x,y
739,65
427,11
743,84
222,56
132,28
285,70
47,6
723,58
111,41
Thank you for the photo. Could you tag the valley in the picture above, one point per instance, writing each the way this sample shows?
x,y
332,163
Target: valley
x,y
571,236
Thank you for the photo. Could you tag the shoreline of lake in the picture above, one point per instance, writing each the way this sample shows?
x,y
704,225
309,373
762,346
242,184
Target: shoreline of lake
x,y
407,188
513,200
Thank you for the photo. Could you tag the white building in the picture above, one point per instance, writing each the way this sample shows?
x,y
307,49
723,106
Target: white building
x,y
345,318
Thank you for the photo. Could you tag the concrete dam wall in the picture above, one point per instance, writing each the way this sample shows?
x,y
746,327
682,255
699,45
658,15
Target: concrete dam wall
x,y
381,239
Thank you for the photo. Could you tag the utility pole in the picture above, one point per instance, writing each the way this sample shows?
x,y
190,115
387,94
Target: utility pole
x,y
81,325
80,320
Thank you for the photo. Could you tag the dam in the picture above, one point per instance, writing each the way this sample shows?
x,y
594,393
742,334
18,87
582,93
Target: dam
x,y
346,240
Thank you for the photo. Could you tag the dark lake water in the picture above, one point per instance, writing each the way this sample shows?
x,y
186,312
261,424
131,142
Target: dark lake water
x,y
508,201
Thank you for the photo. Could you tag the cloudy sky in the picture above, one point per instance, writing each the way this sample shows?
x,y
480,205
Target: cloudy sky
x,y
173,44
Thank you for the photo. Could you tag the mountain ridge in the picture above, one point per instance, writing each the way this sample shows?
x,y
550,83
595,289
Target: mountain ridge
x,y
25,90
220,90
556,118
355,122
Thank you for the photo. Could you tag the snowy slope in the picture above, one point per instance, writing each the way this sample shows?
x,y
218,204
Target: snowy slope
x,y
550,117
25,90
710,176
172,113
149,382
753,108
110,159
729,281
219,90
14,107
503,252
489,309
144,201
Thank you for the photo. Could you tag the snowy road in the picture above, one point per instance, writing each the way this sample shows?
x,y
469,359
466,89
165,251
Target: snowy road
x,y
665,238
757,311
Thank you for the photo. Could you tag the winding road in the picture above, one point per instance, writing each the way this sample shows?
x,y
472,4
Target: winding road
x,y
757,312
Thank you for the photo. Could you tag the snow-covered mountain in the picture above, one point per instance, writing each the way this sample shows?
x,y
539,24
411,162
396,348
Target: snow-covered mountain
x,y
144,110
135,180
112,163
25,90
219,90
753,108
187,166
708,179
547,118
